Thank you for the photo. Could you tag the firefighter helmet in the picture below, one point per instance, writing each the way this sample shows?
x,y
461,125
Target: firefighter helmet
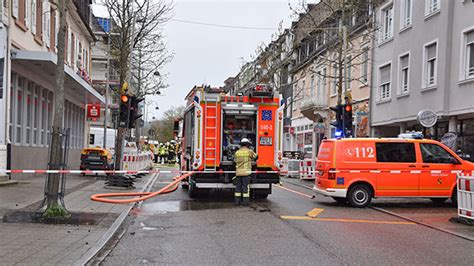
x,y
245,141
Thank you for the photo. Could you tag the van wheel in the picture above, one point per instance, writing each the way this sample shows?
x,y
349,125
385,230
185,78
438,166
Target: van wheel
x,y
359,196
454,198
438,200
340,200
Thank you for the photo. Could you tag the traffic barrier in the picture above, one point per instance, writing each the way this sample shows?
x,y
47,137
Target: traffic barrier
x,y
40,171
466,197
308,169
291,167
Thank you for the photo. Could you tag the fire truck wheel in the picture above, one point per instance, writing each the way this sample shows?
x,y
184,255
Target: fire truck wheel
x,y
193,191
261,196
184,185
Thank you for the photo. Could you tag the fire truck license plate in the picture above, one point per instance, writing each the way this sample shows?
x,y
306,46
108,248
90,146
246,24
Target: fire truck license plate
x,y
266,141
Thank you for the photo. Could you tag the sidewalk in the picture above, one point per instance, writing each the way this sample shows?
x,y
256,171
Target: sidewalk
x,y
34,243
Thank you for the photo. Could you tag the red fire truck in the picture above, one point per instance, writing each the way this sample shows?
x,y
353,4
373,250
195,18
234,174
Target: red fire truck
x,y
214,124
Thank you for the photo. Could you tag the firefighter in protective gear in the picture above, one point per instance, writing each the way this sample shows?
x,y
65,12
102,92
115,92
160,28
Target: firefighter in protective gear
x,y
243,160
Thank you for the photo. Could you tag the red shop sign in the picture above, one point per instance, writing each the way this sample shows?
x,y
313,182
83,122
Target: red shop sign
x,y
93,112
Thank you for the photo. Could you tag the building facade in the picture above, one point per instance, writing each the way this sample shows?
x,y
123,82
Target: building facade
x,y
32,27
328,68
423,59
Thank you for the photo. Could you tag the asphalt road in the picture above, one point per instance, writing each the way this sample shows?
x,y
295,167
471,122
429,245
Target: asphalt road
x,y
174,229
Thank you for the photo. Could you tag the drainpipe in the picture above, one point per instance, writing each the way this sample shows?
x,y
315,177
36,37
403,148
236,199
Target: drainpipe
x,y
372,97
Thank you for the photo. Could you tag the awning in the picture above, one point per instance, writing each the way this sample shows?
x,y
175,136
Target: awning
x,y
45,63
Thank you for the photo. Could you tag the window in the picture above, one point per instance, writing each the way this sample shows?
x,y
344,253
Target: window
x,y
27,18
39,19
33,9
19,110
29,111
395,152
322,85
16,8
430,65
44,115
47,23
303,88
404,74
348,74
385,78
468,54
311,88
387,22
365,66
288,107
295,95
36,119
431,6
334,77
433,153
405,12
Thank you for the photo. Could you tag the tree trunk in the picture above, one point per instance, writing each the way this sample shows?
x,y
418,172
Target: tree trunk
x,y
56,158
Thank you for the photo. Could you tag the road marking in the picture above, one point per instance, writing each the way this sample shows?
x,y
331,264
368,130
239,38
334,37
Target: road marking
x,y
314,212
296,192
286,217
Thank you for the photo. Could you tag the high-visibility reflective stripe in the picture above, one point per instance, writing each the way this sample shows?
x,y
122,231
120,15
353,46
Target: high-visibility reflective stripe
x,y
237,194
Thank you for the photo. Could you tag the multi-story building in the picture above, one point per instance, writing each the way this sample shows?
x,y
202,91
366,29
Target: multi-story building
x,y
30,79
321,56
423,59
102,71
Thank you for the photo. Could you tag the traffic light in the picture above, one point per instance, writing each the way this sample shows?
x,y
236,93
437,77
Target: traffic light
x,y
347,120
134,111
124,107
338,123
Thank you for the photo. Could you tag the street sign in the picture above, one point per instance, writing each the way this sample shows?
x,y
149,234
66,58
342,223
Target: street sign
x,y
427,118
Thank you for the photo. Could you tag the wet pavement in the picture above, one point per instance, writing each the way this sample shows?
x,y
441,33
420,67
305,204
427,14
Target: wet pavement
x,y
174,229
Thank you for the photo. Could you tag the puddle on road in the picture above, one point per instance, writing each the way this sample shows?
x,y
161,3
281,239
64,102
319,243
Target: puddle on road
x,y
163,207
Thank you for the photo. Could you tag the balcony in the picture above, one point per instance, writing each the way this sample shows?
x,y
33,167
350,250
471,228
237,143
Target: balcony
x,y
315,108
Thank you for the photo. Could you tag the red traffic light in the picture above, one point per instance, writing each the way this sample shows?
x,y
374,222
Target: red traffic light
x,y
124,98
348,108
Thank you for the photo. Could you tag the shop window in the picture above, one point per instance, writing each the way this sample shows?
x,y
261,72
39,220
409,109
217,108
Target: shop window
x,y
19,110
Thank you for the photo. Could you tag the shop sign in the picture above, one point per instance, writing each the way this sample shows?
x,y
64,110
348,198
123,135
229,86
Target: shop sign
x,y
93,112
427,118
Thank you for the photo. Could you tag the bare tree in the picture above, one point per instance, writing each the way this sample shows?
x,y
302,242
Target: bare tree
x,y
332,32
53,207
136,22
164,126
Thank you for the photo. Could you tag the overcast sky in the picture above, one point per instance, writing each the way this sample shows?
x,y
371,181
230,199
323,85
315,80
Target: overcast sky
x,y
207,54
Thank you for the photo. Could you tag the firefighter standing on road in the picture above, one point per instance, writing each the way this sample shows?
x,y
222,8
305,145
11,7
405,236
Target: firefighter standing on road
x,y
243,160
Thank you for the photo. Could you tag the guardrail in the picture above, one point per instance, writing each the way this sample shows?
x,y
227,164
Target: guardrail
x,y
466,197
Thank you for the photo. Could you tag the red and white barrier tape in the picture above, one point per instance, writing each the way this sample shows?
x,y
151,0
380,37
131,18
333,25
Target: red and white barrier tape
x,y
15,171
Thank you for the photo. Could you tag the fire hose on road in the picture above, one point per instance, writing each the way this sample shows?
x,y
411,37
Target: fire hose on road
x,y
139,196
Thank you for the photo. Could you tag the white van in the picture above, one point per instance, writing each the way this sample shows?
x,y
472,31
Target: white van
x,y
96,138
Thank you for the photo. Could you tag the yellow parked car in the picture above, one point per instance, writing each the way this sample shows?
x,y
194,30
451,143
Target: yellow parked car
x,y
96,159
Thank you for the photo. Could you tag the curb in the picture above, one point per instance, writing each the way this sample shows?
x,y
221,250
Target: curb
x,y
113,228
